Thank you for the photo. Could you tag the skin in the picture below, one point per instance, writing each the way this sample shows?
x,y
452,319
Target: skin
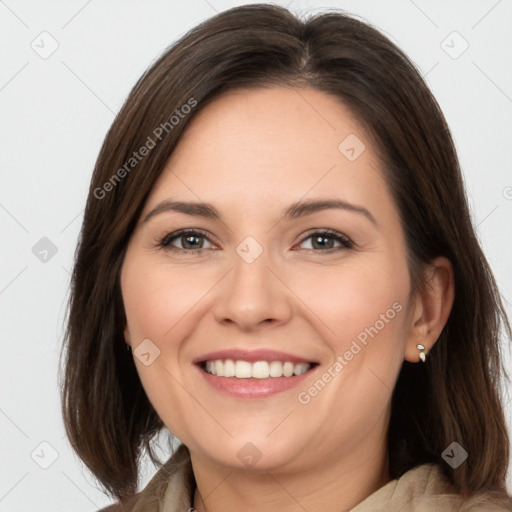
x,y
252,154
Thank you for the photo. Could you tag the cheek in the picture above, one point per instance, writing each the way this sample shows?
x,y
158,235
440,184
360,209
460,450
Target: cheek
x,y
159,304
364,311
352,300
157,299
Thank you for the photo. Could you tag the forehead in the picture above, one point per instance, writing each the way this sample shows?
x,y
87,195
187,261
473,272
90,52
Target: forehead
x,y
273,145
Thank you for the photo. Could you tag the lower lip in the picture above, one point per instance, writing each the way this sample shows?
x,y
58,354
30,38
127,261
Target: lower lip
x,y
253,388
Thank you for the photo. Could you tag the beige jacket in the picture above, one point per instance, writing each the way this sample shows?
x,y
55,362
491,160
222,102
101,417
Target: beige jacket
x,y
422,489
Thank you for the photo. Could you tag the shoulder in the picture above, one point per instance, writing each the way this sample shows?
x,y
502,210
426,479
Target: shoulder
x,y
433,486
171,487
426,488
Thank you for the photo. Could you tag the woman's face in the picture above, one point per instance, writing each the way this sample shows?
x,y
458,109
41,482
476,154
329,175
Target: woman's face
x,y
271,277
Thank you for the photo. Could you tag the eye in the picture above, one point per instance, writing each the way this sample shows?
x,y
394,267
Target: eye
x,y
188,240
326,240
192,241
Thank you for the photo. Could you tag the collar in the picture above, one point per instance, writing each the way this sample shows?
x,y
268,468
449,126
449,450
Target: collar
x,y
421,489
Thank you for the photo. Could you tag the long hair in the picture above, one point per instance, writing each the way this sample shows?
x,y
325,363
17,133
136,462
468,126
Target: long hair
x,y
455,396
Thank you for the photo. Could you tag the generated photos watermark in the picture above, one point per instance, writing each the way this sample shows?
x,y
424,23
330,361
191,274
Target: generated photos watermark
x,y
341,361
152,140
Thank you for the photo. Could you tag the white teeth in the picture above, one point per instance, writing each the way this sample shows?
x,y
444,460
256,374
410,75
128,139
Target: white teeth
x,y
242,369
301,368
256,370
288,369
276,369
260,370
210,367
229,368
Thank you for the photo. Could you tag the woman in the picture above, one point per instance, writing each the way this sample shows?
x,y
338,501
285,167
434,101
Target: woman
x,y
277,264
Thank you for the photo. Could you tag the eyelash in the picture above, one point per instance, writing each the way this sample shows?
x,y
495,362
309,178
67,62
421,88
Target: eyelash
x,y
165,242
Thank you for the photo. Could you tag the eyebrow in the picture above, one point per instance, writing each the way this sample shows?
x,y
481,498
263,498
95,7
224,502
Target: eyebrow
x,y
296,210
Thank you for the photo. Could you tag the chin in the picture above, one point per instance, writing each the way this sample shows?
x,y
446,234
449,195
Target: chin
x,y
254,453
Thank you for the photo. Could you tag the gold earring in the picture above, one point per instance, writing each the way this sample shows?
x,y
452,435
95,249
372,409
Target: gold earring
x,y
423,354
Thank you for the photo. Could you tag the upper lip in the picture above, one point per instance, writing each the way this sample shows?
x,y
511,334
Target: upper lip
x,y
238,354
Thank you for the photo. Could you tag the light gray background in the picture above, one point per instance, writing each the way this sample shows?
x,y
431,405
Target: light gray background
x,y
55,113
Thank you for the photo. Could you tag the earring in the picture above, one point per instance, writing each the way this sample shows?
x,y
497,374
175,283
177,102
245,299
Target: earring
x,y
128,347
423,354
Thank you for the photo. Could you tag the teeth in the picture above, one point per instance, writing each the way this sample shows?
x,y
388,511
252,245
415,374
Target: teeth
x,y
301,368
260,370
256,370
242,369
229,368
288,369
275,369
210,367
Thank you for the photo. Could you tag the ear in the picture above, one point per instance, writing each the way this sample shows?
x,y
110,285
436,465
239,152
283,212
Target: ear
x,y
431,308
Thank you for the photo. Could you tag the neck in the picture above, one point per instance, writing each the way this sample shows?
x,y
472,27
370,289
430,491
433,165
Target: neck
x,y
338,484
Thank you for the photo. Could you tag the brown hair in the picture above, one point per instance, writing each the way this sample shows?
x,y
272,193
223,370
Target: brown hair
x,y
453,397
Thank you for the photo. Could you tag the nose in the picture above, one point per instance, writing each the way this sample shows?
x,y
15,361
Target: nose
x,y
253,296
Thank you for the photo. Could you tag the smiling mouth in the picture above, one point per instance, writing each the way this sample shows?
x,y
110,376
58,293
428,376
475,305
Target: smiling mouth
x,y
240,369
